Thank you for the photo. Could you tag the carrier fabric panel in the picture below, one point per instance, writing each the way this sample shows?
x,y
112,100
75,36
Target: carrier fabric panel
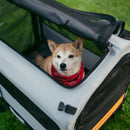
x,y
93,26
31,107
106,96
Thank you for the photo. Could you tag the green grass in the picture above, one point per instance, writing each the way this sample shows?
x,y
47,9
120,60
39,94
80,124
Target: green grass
x,y
17,36
9,122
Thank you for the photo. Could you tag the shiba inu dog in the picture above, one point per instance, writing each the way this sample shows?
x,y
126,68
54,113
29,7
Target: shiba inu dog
x,y
65,63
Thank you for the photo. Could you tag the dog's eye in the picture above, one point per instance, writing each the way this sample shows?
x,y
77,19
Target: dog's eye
x,y
58,56
71,56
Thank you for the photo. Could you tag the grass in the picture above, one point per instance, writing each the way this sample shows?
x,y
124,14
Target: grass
x,y
17,36
9,122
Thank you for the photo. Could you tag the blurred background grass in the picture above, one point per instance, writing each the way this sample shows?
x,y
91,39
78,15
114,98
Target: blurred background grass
x,y
117,8
120,9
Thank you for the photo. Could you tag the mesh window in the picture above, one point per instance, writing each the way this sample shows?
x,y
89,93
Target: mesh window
x,y
15,26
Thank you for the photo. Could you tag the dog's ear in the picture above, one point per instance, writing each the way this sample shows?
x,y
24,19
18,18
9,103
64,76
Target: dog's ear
x,y
52,45
78,44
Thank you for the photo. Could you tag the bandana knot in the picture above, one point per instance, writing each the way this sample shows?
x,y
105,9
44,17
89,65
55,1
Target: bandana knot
x,y
68,80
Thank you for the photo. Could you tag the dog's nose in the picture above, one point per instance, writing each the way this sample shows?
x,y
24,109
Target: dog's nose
x,y
62,65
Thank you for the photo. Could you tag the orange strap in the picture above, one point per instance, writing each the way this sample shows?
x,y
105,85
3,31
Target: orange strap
x,y
109,113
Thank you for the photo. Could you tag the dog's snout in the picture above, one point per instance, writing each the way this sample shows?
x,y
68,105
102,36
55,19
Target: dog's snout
x,y
62,65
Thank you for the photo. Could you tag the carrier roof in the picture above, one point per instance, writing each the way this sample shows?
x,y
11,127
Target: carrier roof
x,y
92,26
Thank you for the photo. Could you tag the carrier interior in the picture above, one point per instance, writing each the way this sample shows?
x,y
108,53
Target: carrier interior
x,y
49,31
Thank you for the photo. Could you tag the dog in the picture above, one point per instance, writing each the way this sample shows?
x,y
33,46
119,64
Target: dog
x,y
65,63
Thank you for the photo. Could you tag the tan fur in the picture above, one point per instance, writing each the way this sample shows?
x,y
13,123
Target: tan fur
x,y
45,64
75,48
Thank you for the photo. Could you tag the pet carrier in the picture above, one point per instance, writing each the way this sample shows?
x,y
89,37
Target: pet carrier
x,y
34,96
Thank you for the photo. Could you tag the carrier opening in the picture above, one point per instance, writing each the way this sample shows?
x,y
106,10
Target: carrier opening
x,y
45,30
33,31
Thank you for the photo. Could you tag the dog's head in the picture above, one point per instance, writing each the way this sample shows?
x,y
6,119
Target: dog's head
x,y
67,56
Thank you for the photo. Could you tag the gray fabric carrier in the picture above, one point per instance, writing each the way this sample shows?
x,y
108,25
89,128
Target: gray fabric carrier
x,y
41,102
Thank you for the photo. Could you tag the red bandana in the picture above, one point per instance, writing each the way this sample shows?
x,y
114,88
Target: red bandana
x,y
68,80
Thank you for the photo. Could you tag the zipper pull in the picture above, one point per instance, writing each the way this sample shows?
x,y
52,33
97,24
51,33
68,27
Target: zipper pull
x,y
112,52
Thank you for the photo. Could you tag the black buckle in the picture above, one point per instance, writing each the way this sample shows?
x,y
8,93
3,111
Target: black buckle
x,y
67,108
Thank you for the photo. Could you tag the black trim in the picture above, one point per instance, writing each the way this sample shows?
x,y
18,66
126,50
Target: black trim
x,y
31,107
106,95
